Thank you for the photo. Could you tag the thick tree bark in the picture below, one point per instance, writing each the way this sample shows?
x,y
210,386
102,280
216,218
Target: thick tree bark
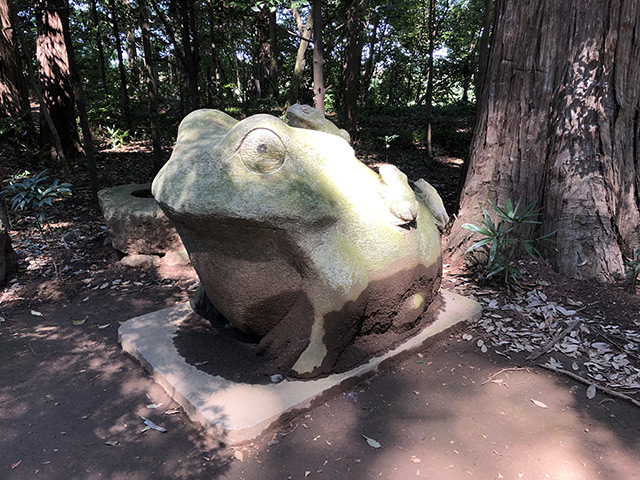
x,y
54,75
103,68
559,123
305,35
151,79
44,108
14,100
353,54
318,59
124,95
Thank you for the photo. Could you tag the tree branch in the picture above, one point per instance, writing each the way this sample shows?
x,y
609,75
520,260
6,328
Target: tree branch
x,y
171,33
585,381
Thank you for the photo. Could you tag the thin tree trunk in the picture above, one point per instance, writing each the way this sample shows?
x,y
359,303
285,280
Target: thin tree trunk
x,y
191,57
318,59
273,56
429,97
103,69
124,95
82,108
305,35
558,123
353,53
466,81
368,69
132,50
217,71
14,100
151,79
261,53
391,95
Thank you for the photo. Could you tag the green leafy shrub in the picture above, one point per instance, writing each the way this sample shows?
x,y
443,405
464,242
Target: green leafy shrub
x,y
115,137
500,240
388,140
35,192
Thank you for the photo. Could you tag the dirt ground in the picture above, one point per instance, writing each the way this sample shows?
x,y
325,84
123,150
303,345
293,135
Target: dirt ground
x,y
71,404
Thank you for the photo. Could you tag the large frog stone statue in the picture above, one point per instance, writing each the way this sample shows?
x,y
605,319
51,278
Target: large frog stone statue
x,y
294,239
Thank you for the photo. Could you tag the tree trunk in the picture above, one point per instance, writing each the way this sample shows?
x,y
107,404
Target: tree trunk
x,y
54,75
305,35
14,100
132,50
273,56
82,108
103,69
353,54
151,79
559,123
124,95
466,81
262,52
218,74
318,59
429,97
368,69
391,96
44,108
191,56
483,45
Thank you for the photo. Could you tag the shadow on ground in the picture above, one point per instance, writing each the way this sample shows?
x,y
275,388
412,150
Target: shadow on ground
x,y
434,418
72,402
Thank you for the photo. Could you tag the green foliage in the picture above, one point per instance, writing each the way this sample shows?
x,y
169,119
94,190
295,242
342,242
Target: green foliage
x,y
632,270
500,240
115,137
35,192
388,139
15,129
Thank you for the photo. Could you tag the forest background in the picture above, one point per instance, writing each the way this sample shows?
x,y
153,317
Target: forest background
x,y
556,123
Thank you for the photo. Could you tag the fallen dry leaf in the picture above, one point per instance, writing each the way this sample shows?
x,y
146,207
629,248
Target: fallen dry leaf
x,y
372,443
539,403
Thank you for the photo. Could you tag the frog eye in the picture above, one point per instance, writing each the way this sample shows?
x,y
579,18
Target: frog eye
x,y
262,151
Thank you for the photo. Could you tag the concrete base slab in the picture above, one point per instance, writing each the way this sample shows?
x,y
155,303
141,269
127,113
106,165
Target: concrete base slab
x,y
235,412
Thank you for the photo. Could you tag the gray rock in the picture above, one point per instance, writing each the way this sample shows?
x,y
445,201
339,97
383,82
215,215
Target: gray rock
x,y
176,258
294,239
135,222
140,260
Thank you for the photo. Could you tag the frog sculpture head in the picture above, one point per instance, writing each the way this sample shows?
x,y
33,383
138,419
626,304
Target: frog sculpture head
x,y
294,239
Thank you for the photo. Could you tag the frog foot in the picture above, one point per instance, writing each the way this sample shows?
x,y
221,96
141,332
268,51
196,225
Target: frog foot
x,y
397,194
429,196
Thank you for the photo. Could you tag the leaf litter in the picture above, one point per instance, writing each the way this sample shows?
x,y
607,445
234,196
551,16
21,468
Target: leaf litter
x,y
529,322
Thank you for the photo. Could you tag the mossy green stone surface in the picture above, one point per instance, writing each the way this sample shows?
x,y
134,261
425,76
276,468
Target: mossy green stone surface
x,y
286,228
